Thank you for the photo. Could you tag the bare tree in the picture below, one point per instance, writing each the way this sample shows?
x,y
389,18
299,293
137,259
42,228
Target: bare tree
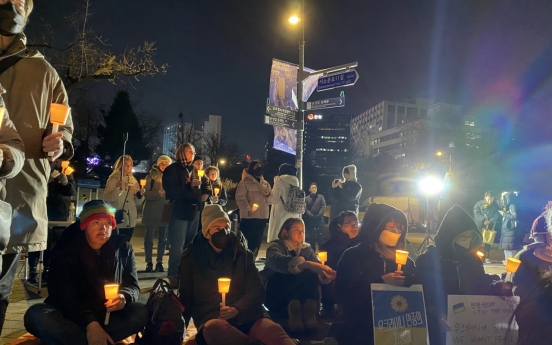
x,y
87,57
87,117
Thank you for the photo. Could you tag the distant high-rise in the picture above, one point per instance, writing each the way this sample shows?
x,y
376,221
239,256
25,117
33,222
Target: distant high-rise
x,y
174,134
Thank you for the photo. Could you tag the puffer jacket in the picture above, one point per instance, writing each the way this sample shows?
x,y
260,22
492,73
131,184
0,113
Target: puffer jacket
x,y
249,192
280,195
127,198
33,85
154,199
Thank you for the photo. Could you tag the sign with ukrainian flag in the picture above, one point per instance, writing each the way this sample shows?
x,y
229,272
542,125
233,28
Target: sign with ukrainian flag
x,y
399,315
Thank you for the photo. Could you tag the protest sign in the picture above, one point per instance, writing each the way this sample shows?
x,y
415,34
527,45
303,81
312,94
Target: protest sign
x,y
399,315
481,320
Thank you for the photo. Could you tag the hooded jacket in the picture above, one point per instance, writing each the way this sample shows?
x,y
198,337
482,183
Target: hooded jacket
x,y
509,237
445,269
199,290
154,198
78,274
361,266
127,199
346,197
33,85
280,195
483,211
337,244
249,192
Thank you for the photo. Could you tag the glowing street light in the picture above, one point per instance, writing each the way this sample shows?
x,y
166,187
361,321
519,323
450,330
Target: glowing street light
x,y
431,185
439,153
294,20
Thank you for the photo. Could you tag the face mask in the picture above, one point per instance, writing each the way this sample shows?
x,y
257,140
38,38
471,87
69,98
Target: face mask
x,y
388,238
258,171
12,21
463,240
220,239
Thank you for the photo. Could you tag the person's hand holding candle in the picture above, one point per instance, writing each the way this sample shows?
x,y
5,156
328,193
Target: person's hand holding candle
x,y
53,144
323,256
64,166
254,207
216,189
68,171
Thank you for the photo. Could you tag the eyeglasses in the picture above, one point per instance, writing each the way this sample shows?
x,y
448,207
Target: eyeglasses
x,y
394,229
352,225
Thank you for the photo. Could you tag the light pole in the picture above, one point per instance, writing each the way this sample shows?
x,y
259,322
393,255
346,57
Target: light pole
x,y
300,104
429,186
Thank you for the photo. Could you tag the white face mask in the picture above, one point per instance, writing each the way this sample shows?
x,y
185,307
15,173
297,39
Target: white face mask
x,y
464,240
388,238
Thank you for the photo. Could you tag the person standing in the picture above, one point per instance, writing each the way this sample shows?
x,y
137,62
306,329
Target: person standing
x,y
125,193
182,188
345,194
33,85
485,215
314,216
252,197
283,183
152,212
508,237
213,191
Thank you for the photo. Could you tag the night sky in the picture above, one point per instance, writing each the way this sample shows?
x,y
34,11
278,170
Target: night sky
x,y
480,54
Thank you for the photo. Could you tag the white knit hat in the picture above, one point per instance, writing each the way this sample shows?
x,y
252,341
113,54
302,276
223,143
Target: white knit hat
x,y
209,215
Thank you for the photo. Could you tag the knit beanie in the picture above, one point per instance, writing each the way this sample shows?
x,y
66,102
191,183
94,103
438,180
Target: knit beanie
x,y
287,169
197,158
209,215
164,158
96,209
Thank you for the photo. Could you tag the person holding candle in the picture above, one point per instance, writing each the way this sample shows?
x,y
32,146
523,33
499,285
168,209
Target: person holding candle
x,y
485,215
212,188
215,253
253,199
181,184
33,86
154,203
198,163
86,258
383,231
292,275
125,193
452,267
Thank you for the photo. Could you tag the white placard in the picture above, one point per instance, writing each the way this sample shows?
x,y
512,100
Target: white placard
x,y
481,320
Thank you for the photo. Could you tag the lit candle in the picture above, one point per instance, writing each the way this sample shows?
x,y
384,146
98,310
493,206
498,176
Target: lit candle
x,y
142,183
512,265
111,292
200,173
68,171
401,257
323,256
58,116
480,255
255,207
224,288
216,190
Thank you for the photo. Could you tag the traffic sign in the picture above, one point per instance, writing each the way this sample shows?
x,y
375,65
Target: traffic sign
x,y
279,121
347,78
326,103
281,112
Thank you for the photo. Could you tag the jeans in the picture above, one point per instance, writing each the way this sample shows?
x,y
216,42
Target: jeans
x,y
220,332
47,324
161,240
181,232
253,230
7,276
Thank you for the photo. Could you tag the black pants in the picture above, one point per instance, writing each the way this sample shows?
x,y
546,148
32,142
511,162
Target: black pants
x,y
47,324
253,230
282,288
7,276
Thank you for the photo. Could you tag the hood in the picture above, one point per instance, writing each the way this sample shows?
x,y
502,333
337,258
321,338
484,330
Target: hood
x,y
455,222
155,173
289,179
250,177
377,215
337,235
352,172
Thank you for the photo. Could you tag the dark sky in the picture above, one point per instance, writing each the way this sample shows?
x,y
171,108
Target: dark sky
x,y
477,53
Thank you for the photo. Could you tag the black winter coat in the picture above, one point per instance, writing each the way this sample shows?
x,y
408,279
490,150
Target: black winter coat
x,y
56,205
179,191
78,274
199,287
483,211
346,198
337,244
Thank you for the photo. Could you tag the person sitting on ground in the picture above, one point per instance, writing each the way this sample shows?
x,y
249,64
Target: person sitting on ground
x,y
84,259
344,232
216,252
452,267
383,231
292,275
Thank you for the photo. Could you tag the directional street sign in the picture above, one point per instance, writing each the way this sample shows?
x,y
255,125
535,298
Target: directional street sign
x,y
279,121
281,112
326,103
347,78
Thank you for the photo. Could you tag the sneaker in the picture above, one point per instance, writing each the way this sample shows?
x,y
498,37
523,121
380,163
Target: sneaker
x,y
159,267
295,317
149,267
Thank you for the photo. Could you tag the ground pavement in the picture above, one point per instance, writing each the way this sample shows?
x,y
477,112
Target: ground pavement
x,y
25,296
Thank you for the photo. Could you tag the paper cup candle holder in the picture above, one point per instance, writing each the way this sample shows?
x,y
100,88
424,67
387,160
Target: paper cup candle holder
x,y
216,189
224,288
401,257
58,117
142,183
323,256
111,292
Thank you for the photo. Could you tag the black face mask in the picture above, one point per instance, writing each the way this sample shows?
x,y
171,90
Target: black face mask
x,y
12,22
220,239
258,172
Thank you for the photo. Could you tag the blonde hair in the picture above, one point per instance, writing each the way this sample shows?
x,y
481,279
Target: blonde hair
x,y
180,154
287,226
208,170
119,164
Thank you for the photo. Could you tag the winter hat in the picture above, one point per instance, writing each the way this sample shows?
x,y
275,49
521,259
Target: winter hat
x,y
197,158
164,158
96,209
209,215
287,169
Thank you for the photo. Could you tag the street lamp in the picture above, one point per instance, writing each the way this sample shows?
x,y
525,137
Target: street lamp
x,y
429,186
441,154
294,20
222,161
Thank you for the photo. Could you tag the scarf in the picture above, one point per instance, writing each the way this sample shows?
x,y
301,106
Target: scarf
x,y
212,264
385,252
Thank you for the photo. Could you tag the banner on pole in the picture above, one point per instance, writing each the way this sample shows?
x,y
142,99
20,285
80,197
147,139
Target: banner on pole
x,y
478,319
283,85
399,315
285,139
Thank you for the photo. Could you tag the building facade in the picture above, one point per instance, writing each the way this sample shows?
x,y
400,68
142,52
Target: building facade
x,y
174,133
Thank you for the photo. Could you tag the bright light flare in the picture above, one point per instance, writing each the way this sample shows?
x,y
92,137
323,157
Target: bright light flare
x,y
294,20
431,185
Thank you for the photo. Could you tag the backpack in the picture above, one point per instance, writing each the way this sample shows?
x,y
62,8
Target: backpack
x,y
165,324
295,201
